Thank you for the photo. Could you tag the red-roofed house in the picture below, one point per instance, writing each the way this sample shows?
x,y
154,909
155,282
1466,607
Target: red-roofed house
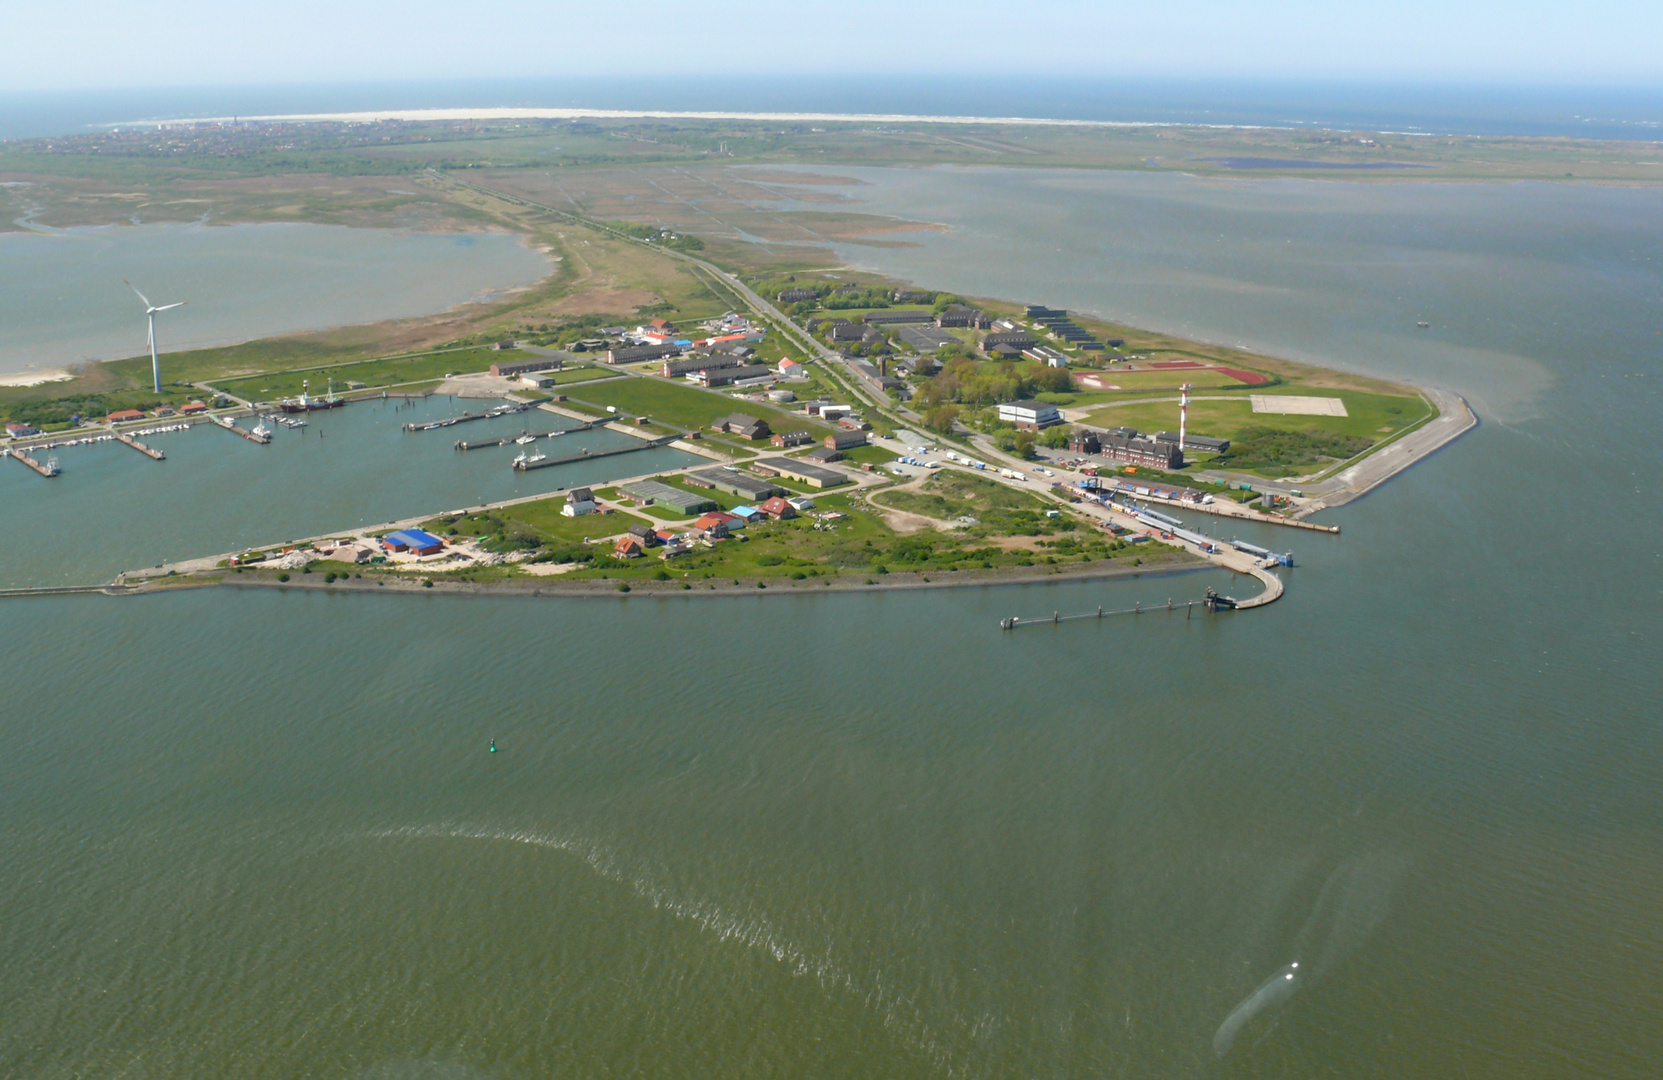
x,y
122,416
778,509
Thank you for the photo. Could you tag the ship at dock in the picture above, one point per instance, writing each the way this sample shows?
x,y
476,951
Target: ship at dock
x,y
307,403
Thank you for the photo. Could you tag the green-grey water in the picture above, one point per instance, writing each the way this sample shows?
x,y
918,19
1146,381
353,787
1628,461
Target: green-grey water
x,y
259,833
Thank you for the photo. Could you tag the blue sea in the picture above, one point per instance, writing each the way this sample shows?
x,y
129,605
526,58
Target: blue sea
x,y
1595,112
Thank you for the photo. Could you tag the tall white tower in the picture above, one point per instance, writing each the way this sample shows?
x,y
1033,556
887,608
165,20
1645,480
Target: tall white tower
x,y
1183,413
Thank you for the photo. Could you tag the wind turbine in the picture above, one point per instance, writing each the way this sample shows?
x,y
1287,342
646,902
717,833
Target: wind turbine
x,y
150,311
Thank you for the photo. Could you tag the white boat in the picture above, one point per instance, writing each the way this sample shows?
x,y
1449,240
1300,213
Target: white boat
x,y
523,439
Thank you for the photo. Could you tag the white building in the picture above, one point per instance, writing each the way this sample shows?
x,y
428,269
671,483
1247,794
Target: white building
x,y
1029,415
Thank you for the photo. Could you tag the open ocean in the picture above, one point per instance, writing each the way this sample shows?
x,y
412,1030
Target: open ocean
x,y
1596,112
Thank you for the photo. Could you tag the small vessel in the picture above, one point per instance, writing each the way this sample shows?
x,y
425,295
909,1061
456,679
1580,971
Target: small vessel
x,y
306,403
1423,325
523,439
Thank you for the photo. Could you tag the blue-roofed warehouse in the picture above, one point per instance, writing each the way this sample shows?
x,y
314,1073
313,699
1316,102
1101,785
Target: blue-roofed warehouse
x,y
413,540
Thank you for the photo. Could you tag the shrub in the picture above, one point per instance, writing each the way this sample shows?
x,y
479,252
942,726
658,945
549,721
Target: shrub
x,y
284,576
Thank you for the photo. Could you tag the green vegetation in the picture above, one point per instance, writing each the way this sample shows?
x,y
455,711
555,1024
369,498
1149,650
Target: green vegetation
x,y
966,380
668,237
999,510
388,371
1270,452
1368,415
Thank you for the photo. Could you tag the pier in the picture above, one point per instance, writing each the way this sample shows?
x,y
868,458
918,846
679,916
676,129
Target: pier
x,y
50,469
1211,603
258,435
148,451
488,414
508,439
526,464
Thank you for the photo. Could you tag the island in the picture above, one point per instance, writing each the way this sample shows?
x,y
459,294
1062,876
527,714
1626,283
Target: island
x,y
851,430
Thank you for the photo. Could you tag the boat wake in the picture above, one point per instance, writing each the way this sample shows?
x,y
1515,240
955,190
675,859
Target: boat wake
x,y
899,1013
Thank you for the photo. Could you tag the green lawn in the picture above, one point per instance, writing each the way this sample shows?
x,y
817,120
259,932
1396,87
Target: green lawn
x,y
388,371
1372,416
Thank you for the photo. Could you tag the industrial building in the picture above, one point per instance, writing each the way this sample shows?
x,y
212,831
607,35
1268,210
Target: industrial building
x,y
727,375
655,492
802,471
415,541
1202,443
734,483
1029,415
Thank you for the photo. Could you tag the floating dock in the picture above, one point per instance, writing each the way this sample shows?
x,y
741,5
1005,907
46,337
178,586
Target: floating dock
x,y
507,439
526,464
488,414
258,435
148,451
50,469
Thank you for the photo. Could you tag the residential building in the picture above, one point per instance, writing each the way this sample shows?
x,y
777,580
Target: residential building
x,y
844,440
712,526
1044,354
122,416
627,547
963,317
795,296
1015,339
1140,451
745,427
748,514
1029,415
192,408
823,454
792,438
687,365
579,501
521,367
632,354
790,369
21,431
896,318
1084,442
778,509
646,534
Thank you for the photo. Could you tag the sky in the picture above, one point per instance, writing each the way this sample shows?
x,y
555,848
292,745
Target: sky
x,y
95,44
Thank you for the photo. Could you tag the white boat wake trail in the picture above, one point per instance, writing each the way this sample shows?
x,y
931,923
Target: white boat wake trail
x,y
899,1012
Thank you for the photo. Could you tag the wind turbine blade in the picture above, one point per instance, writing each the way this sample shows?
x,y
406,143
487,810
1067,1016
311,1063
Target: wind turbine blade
x,y
170,307
136,292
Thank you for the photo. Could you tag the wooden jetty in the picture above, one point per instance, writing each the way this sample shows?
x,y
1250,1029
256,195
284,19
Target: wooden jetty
x,y
543,463
50,469
148,451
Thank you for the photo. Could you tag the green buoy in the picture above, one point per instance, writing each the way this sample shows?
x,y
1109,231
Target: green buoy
x,y
493,746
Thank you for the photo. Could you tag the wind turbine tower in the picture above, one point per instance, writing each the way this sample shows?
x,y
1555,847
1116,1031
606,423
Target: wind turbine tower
x,y
150,313
1183,413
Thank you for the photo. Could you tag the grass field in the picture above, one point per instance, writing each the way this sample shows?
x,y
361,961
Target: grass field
x,y
391,371
683,405
1372,416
